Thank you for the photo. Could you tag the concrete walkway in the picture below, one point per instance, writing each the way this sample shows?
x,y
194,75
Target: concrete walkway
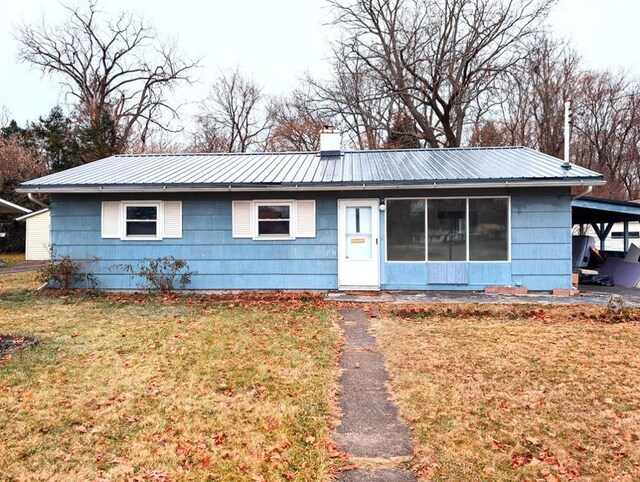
x,y
590,295
370,427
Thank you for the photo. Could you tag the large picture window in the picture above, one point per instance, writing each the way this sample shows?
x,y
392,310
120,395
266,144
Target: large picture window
x,y
447,229
463,229
488,229
405,230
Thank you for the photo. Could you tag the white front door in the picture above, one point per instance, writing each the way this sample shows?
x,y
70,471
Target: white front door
x,y
358,248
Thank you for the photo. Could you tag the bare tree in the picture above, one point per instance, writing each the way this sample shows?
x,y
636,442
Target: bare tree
x,y
529,99
296,127
17,164
235,115
114,66
439,57
354,99
607,131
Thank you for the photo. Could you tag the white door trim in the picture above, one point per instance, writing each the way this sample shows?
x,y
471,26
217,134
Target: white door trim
x,y
373,280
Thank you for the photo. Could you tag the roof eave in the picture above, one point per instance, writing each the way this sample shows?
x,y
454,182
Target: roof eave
x,y
156,188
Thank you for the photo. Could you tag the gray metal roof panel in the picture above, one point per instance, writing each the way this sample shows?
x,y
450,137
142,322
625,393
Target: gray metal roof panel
x,y
309,168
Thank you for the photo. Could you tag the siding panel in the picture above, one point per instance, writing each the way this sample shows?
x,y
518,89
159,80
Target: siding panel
x,y
540,251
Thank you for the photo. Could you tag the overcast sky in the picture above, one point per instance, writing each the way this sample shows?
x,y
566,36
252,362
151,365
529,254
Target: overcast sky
x,y
276,41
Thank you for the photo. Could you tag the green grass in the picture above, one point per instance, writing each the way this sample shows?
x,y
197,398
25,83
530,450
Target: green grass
x,y
185,389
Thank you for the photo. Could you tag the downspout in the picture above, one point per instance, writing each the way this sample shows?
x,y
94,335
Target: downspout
x,y
587,191
34,199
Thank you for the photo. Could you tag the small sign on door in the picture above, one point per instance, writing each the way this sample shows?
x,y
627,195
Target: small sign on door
x,y
357,240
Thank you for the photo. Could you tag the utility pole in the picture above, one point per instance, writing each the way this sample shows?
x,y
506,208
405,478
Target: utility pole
x,y
567,134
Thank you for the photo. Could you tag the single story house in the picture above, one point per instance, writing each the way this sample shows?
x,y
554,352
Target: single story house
x,y
418,219
38,235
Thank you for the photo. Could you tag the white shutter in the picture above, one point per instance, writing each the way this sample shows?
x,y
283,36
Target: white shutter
x,y
241,219
305,219
172,219
111,213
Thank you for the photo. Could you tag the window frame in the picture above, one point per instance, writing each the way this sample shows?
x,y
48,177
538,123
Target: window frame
x,y
138,237
426,228
255,222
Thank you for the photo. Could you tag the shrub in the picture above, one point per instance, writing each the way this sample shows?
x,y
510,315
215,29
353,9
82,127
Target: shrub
x,y
64,273
164,274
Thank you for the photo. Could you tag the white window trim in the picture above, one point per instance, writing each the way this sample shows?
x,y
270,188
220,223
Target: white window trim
x,y
273,202
426,214
159,220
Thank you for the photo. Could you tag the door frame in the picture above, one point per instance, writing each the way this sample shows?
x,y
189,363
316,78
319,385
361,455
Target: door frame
x,y
375,238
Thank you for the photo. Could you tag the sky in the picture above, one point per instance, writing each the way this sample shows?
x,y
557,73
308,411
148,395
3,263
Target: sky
x,y
275,42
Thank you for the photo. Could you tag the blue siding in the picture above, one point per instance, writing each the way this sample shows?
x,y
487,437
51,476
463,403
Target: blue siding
x,y
221,261
540,250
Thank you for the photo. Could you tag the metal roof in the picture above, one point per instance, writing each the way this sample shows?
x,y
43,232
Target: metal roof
x,y
9,207
310,170
587,210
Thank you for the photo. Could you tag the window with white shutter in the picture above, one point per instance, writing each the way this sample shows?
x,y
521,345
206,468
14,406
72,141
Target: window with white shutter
x,y
241,219
173,219
141,220
274,219
306,219
111,212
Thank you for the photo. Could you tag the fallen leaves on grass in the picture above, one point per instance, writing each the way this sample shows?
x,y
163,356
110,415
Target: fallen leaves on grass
x,y
504,392
130,388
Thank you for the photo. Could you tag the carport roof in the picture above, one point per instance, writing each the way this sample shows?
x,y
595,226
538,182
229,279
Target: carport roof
x,y
7,207
588,210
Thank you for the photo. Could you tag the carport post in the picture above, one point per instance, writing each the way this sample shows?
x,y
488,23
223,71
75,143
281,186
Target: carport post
x,y
626,237
602,231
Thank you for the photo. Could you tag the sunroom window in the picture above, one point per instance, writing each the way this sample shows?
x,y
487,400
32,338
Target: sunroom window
x,y
447,229
488,229
141,221
274,220
405,230
463,229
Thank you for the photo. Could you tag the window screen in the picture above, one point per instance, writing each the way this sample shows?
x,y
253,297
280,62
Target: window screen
x,y
447,231
488,229
405,230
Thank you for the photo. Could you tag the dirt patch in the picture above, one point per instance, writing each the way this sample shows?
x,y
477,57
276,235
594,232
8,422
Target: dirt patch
x,y
15,342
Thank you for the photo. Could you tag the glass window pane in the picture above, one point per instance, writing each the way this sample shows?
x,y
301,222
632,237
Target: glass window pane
x,y
142,212
359,219
273,212
273,228
141,228
447,231
405,230
488,229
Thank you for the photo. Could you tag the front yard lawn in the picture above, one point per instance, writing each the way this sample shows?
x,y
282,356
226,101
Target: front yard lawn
x,y
121,387
506,393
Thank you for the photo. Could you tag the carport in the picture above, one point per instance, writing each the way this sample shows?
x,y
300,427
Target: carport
x,y
7,207
602,214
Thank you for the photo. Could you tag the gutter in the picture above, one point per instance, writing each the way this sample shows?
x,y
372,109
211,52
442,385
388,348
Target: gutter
x,y
34,199
586,191
279,188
